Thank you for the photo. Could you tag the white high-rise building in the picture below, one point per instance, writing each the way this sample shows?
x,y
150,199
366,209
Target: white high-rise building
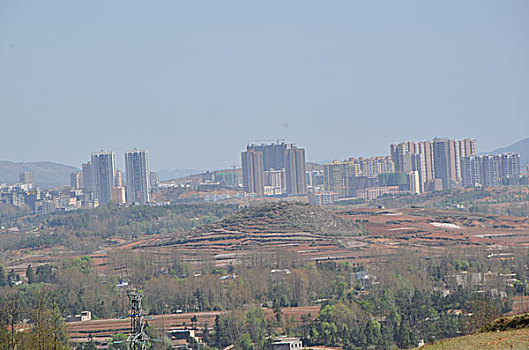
x,y
138,176
471,171
489,170
103,169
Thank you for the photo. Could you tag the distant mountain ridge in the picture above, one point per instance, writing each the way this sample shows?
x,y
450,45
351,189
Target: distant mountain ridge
x,y
166,175
46,174
521,147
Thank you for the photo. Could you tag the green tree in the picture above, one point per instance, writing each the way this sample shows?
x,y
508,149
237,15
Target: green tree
x,y
3,277
48,330
91,345
256,325
277,311
194,320
30,274
118,342
10,311
246,342
404,335
46,273
12,277
218,332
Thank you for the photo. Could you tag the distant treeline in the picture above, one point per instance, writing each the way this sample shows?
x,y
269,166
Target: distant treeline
x,y
512,201
86,230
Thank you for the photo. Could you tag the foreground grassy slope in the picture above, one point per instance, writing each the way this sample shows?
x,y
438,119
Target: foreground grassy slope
x,y
503,333
515,339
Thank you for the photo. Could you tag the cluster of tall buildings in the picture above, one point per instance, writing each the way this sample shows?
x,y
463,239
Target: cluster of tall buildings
x,y
276,168
438,162
490,170
412,167
99,182
344,179
103,182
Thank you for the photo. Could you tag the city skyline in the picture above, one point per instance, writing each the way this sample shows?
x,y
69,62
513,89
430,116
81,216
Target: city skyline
x,y
217,76
120,163
279,169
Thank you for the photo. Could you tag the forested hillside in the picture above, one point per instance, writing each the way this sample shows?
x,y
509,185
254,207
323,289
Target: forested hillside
x,y
86,230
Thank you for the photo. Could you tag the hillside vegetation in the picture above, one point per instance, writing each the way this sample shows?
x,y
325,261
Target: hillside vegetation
x,y
512,201
509,323
514,339
503,333
285,217
87,230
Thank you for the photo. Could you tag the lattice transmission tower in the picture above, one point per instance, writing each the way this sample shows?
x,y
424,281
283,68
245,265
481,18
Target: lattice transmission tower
x,y
137,339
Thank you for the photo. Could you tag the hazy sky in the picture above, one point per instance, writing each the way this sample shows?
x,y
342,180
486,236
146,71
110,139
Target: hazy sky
x,y
194,81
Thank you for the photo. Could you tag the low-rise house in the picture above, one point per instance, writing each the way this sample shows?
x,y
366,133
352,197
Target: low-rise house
x,y
287,343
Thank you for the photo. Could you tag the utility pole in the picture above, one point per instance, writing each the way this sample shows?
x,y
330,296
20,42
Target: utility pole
x,y
137,338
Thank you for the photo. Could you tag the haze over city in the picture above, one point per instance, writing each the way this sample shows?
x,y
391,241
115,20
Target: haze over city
x,y
194,82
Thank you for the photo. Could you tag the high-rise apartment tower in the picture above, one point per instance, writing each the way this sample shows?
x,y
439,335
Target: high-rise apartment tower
x,y
295,171
252,171
137,168
103,169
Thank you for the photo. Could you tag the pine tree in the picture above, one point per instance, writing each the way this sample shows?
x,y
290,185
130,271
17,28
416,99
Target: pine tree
x,y
3,277
218,332
30,274
11,278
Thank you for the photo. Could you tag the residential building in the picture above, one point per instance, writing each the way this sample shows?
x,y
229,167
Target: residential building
x,y
443,153
321,198
44,206
295,171
338,176
463,148
414,182
227,177
154,179
279,155
287,343
411,156
315,178
103,170
510,165
252,171
118,195
88,182
434,185
118,178
76,180
273,154
274,182
375,165
471,171
437,159
360,182
409,181
26,177
275,179
490,170
138,176
375,192
401,155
